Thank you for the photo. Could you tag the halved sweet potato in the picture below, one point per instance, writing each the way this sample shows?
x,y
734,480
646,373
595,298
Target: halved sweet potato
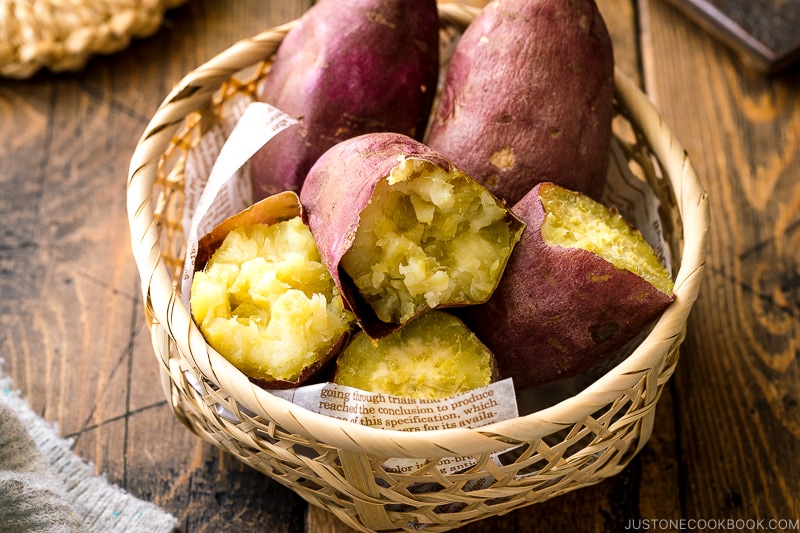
x,y
580,284
266,302
402,230
435,356
528,98
346,69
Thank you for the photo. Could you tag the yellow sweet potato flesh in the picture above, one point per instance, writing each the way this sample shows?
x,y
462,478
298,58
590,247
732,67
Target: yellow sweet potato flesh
x,y
433,356
266,302
576,221
428,237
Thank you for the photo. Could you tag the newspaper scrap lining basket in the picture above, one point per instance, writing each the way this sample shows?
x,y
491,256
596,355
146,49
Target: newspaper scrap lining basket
x,y
337,465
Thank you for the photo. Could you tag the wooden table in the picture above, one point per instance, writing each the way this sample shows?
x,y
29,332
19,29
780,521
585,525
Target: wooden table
x,y
726,444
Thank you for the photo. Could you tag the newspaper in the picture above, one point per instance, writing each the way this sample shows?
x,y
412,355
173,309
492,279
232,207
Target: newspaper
x,y
217,169
475,408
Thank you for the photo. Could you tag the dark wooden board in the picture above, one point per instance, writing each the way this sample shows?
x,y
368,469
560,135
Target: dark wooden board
x,y
764,33
74,340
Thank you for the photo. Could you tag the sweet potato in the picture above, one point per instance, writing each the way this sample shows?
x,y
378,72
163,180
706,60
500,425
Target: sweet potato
x,y
346,69
402,230
434,356
264,300
528,98
579,285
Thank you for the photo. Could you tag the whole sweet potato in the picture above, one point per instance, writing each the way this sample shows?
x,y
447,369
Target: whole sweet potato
x,y
579,285
528,98
346,69
402,230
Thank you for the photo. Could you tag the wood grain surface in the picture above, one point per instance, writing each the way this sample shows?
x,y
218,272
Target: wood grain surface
x,y
764,33
726,443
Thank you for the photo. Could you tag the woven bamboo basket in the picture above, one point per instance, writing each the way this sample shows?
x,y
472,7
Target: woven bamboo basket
x,y
338,465
62,35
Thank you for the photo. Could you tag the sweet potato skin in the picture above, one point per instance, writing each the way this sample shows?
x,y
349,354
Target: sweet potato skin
x,y
559,311
346,69
338,187
528,98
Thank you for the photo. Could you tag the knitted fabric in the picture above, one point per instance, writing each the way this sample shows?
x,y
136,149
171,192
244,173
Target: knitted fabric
x,y
45,487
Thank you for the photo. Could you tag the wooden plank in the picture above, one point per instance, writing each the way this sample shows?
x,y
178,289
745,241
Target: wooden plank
x,y
764,33
737,389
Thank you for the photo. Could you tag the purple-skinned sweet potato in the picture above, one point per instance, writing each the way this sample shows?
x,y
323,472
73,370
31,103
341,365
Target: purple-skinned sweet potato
x,y
402,230
579,285
528,98
346,69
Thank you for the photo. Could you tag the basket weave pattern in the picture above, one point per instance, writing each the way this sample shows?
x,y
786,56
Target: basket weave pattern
x,y
338,465
62,34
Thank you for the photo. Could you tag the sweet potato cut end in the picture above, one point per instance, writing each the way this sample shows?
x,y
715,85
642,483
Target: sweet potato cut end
x,y
429,238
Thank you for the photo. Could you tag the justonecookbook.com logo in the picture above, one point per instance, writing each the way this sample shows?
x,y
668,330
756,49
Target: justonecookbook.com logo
x,y
713,524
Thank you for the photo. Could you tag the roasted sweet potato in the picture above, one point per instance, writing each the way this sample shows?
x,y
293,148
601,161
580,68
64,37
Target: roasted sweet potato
x,y
528,98
346,69
265,302
434,356
402,230
579,285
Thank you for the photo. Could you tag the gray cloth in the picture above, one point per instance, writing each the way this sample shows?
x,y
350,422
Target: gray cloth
x,y
45,487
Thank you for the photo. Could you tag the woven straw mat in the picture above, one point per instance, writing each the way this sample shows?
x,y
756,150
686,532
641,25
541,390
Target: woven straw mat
x,y
61,34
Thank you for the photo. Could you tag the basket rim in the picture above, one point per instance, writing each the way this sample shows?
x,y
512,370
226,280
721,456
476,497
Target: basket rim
x,y
195,90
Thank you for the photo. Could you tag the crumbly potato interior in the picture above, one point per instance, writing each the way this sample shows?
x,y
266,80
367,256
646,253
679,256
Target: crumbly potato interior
x,y
433,356
266,302
428,238
576,221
